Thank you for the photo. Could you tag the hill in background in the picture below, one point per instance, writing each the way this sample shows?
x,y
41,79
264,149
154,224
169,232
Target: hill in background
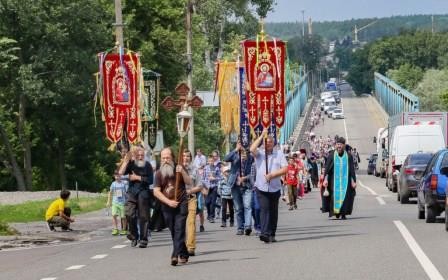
x,y
333,30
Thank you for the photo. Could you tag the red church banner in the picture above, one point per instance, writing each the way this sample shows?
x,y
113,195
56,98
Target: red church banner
x,y
265,93
120,74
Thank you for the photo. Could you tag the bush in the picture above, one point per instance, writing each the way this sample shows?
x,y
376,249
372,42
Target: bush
x,y
5,229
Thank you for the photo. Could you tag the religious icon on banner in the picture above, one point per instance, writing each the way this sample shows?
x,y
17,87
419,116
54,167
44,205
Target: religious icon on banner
x,y
120,74
265,78
120,89
264,63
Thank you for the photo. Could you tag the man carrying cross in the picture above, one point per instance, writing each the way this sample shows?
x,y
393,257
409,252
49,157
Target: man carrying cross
x,y
270,164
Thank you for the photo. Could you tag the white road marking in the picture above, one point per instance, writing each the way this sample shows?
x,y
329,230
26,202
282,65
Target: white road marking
x,y
378,197
97,257
127,241
380,200
367,188
49,278
424,261
119,246
74,267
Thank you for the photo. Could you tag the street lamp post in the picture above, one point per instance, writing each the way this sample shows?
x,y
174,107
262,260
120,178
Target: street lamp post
x,y
183,119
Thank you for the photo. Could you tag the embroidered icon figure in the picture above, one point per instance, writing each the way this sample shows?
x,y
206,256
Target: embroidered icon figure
x,y
121,91
265,79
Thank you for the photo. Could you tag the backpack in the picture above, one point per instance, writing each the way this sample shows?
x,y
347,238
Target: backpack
x,y
226,190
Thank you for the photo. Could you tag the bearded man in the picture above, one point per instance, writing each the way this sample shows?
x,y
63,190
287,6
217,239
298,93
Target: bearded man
x,y
139,197
340,181
174,210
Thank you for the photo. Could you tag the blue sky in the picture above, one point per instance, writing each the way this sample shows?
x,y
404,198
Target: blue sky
x,y
321,10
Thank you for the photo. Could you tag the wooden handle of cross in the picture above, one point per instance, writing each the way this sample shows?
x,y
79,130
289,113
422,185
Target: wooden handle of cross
x,y
178,174
266,154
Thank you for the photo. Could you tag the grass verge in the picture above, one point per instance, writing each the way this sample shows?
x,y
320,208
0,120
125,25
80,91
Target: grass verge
x,y
35,210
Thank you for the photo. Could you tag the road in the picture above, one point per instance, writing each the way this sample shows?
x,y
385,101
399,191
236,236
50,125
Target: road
x,y
381,240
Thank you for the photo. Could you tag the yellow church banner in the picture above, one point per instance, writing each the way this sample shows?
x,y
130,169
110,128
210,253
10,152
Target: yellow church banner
x,y
228,91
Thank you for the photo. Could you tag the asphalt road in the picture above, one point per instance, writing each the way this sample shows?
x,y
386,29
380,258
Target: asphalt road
x,y
381,240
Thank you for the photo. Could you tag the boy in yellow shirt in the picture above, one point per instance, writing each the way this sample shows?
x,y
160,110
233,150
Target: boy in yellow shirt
x,y
58,215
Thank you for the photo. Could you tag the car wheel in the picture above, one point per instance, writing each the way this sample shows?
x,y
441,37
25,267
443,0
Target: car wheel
x,y
404,198
421,211
430,215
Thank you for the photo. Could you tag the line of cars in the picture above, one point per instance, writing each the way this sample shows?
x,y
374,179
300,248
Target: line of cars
x,y
414,160
329,101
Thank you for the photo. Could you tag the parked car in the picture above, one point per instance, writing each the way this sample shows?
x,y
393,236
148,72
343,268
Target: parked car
x,y
431,192
328,103
337,114
446,210
381,164
331,110
413,167
409,139
371,162
336,96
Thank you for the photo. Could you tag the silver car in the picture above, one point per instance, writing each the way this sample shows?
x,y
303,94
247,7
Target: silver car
x,y
337,114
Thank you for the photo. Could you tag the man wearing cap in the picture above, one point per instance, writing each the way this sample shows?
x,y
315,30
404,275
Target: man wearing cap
x,y
270,165
340,180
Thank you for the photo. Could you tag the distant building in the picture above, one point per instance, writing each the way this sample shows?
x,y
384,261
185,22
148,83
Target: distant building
x,y
209,97
332,45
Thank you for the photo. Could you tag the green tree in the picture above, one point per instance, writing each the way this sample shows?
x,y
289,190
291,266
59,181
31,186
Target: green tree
x,y
360,74
433,91
407,76
306,51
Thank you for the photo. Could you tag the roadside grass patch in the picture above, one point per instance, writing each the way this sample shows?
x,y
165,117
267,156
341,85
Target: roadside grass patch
x,y
5,229
35,210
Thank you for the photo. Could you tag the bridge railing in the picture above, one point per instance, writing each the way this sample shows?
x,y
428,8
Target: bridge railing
x,y
393,98
296,99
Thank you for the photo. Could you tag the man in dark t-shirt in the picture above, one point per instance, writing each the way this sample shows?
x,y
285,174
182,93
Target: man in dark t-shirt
x,y
174,208
138,203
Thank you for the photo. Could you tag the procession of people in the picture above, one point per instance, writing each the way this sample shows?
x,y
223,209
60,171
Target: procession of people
x,y
243,190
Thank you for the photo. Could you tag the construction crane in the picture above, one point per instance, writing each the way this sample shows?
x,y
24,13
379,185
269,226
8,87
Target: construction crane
x,y
362,28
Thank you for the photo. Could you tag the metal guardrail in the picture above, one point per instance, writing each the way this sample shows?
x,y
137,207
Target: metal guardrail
x,y
393,98
296,100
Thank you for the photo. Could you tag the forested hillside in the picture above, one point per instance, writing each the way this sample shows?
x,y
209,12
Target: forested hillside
x,y
332,30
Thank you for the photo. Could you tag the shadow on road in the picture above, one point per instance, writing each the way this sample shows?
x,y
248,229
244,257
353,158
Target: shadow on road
x,y
317,237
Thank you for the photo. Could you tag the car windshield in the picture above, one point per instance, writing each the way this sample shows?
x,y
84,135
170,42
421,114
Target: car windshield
x,y
420,159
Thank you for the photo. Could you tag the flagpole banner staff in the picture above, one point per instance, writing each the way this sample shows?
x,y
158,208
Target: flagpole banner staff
x,y
264,63
120,74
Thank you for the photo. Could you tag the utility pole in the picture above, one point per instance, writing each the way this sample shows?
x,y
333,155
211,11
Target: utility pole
x,y
432,24
303,24
189,70
118,24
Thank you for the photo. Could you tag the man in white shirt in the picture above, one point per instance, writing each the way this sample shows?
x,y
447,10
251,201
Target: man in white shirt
x,y
268,183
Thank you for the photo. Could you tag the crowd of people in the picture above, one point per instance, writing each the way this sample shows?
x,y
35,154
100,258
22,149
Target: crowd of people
x,y
241,191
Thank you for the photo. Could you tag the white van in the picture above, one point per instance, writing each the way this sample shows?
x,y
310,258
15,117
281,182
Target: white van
x,y
328,103
410,139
